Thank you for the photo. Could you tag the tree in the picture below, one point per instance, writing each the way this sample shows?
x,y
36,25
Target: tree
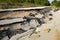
x,y
56,3
31,1
25,2
37,2
44,2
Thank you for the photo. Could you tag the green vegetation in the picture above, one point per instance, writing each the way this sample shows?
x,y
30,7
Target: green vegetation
x,y
23,3
38,2
55,4
27,3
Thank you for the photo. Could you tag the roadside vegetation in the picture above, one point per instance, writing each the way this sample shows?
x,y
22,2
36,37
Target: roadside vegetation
x,y
22,3
55,4
5,4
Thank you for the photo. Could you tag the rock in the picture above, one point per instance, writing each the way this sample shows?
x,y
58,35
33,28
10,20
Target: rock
x,y
47,30
5,38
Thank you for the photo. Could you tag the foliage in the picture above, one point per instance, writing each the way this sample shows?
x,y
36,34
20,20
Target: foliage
x,y
44,2
56,3
26,2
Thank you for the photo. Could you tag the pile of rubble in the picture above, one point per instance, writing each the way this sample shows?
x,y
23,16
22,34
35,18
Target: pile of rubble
x,y
22,26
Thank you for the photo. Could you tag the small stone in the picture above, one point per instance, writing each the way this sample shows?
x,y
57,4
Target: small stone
x,y
47,30
39,35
